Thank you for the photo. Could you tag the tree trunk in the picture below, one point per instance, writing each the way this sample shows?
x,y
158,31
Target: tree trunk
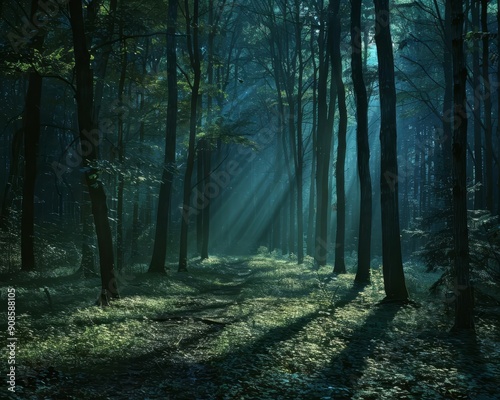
x,y
363,147
120,249
299,170
13,181
394,280
87,264
312,188
206,210
336,58
136,223
464,301
476,89
324,141
498,115
201,189
89,139
31,127
488,131
194,55
165,198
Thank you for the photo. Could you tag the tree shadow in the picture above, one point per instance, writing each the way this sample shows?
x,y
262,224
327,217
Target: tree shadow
x,y
347,367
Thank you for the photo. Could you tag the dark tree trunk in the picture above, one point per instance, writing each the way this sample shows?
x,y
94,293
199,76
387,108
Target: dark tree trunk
x,y
448,99
31,127
136,223
207,152
363,147
299,170
488,131
120,249
464,301
87,264
394,280
324,140
312,188
160,243
336,58
476,88
206,210
194,55
498,115
13,181
89,139
201,189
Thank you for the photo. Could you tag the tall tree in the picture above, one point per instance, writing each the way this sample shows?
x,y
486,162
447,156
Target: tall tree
x,y
31,128
164,201
498,111
13,179
192,37
476,89
488,131
299,151
325,132
394,280
337,69
464,294
101,65
120,250
363,147
89,139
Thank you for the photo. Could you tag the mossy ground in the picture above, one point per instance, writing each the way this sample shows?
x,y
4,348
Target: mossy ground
x,y
246,328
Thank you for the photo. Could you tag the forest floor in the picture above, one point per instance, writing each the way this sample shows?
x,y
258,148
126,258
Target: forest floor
x,y
246,328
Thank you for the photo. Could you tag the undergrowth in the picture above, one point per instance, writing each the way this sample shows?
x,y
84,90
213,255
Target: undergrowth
x,y
259,327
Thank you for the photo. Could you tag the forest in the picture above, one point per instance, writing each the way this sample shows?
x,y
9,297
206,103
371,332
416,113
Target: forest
x,y
237,199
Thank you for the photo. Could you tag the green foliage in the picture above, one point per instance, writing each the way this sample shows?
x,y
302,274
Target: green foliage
x,y
261,327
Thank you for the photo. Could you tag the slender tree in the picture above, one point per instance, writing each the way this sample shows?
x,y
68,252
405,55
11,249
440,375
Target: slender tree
x,y
339,267
160,244
325,132
498,112
87,264
89,138
120,250
299,151
13,179
31,130
488,130
464,294
365,213
394,280
192,35
476,89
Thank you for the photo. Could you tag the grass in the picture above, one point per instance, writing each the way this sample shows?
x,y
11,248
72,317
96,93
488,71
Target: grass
x,y
260,327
